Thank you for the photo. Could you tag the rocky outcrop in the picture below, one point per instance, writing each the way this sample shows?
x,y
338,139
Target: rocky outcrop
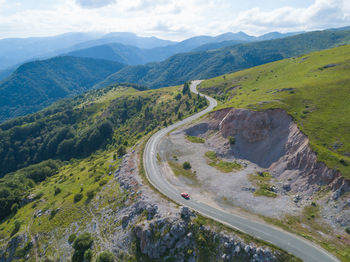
x,y
183,239
273,141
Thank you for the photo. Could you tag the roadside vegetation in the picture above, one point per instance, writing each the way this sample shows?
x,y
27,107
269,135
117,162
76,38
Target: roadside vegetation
x,y
182,170
195,139
262,181
313,89
221,165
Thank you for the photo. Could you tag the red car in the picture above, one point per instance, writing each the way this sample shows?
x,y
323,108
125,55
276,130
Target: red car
x,y
185,195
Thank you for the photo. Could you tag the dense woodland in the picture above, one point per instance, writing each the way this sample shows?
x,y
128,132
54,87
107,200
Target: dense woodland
x,y
75,128
38,84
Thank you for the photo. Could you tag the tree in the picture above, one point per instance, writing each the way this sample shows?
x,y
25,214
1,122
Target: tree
x,y
81,244
105,256
121,151
186,165
232,140
186,89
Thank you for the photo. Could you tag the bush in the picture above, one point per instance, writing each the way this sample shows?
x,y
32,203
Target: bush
x,y
105,256
103,182
16,228
121,151
186,165
232,140
71,238
78,197
88,255
81,244
57,190
90,194
347,230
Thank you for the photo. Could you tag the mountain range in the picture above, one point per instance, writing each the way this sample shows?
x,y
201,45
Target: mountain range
x,y
15,51
37,84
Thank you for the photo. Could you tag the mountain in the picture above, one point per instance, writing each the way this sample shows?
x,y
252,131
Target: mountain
x,y
37,84
200,65
18,50
276,35
132,55
217,45
15,51
125,54
125,38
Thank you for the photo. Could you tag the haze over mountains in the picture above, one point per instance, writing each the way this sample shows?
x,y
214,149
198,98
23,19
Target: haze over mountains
x,y
37,84
15,51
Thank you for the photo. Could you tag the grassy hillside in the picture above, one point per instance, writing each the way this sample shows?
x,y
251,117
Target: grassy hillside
x,y
36,85
201,65
314,89
112,118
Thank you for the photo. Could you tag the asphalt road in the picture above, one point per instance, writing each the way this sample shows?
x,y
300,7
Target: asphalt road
x,y
295,245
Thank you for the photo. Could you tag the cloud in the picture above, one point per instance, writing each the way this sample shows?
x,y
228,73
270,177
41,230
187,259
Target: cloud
x,y
173,19
321,14
94,3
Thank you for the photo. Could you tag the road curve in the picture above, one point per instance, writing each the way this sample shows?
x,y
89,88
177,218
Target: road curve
x,y
295,245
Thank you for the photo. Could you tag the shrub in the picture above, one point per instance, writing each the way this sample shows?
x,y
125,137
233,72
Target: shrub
x,y
347,230
78,197
231,140
102,182
186,165
71,238
16,228
90,194
105,256
81,244
57,190
88,255
121,151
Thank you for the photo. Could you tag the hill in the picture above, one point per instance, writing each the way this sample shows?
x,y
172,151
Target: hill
x,y
314,89
200,65
36,85
15,51
114,118
132,55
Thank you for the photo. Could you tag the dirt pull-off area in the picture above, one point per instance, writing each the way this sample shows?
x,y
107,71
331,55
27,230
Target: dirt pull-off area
x,y
280,173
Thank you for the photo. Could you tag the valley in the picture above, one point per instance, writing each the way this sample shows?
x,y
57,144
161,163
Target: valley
x,y
110,150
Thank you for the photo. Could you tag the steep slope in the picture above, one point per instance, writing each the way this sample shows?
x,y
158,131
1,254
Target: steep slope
x,y
37,84
313,89
200,65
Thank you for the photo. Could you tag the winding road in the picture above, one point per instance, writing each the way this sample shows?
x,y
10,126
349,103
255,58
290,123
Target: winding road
x,y
295,245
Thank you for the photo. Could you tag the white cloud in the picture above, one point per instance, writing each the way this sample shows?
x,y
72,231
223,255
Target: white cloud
x,y
175,19
321,14
94,3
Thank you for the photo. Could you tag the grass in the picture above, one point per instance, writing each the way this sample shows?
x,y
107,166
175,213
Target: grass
x,y
262,181
179,170
264,190
223,166
75,178
316,96
309,226
195,139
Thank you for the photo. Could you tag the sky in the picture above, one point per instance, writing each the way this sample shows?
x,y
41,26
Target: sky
x,y
169,19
